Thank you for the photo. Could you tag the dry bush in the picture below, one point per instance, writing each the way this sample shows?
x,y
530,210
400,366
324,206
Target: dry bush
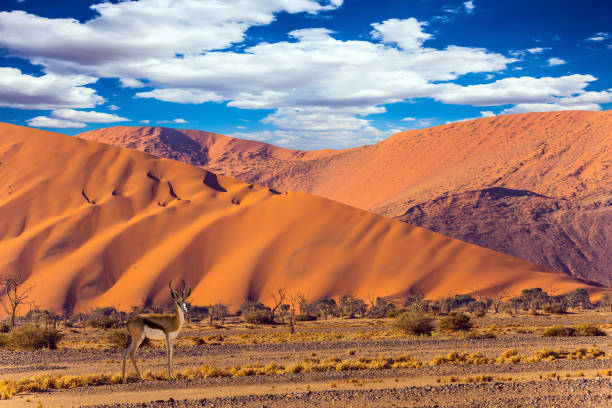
x,y
479,335
588,330
509,356
414,322
304,318
559,331
479,378
258,317
120,339
554,308
547,354
456,322
579,330
31,338
455,357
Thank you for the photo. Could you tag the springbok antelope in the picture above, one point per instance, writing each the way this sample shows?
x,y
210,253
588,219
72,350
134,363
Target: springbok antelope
x,y
156,326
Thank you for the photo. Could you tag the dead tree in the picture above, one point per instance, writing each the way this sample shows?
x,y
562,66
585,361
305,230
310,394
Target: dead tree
x,y
218,311
498,300
278,297
294,300
15,296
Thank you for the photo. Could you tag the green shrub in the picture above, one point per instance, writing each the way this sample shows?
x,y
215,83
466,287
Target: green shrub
x,y
304,318
456,322
258,317
414,322
31,338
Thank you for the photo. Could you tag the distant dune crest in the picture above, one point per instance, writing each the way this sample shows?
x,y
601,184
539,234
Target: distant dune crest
x,y
558,166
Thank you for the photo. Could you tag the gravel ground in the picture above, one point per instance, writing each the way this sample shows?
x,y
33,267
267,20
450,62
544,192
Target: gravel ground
x,y
415,347
578,393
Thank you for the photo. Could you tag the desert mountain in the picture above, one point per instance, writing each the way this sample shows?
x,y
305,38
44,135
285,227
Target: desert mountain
x,y
88,224
537,186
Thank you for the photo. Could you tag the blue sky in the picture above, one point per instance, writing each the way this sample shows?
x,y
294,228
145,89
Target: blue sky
x,y
298,73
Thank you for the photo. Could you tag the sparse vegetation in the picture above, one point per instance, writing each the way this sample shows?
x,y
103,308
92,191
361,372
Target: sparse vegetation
x,y
579,330
258,317
118,338
304,318
15,295
414,322
479,335
30,338
456,322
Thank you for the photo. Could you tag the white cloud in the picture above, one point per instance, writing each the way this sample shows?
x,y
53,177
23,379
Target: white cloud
x,y
483,114
514,90
176,48
129,31
421,123
144,121
469,6
598,37
547,107
48,91
316,119
178,120
113,107
555,61
87,116
131,83
321,139
46,122
409,119
537,50
70,118
407,34
180,95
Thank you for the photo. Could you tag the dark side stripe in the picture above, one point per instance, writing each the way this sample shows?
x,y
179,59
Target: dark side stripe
x,y
152,324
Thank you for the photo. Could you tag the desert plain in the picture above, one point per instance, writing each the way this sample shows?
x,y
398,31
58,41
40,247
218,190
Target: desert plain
x,y
335,362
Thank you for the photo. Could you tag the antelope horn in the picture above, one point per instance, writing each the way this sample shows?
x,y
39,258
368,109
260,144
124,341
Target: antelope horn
x,y
173,293
183,292
188,293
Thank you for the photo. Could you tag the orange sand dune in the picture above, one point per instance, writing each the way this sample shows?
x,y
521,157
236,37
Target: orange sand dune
x,y
553,170
90,225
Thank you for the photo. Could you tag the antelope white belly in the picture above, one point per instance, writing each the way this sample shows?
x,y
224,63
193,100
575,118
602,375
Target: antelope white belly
x,y
154,334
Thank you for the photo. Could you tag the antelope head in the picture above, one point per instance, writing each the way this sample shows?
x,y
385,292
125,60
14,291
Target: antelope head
x,y
180,300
